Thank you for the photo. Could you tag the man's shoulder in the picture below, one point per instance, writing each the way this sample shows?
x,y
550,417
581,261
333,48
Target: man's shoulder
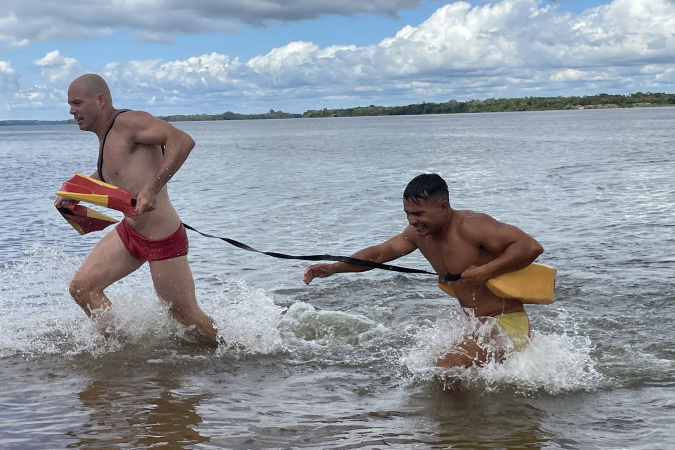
x,y
132,122
472,221
132,116
466,215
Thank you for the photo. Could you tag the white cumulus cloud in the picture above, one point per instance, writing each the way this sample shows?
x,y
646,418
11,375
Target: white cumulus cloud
x,y
23,23
507,48
9,81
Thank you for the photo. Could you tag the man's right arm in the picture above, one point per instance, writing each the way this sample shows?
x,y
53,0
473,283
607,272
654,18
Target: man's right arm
x,y
389,250
63,201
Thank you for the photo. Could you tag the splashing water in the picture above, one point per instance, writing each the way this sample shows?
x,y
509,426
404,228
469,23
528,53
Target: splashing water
x,y
247,319
328,328
552,363
40,318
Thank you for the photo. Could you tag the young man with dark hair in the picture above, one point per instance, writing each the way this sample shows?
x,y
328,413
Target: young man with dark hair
x,y
457,242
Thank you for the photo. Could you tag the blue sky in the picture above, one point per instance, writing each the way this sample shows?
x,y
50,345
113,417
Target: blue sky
x,y
249,56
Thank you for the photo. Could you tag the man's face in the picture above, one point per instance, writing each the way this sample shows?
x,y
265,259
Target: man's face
x,y
427,217
83,107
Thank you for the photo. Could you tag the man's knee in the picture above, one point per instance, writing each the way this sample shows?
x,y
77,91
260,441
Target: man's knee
x,y
80,290
452,360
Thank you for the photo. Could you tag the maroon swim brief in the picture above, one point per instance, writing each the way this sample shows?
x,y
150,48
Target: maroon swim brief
x,y
141,247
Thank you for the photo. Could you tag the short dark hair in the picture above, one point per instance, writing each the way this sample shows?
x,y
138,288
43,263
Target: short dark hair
x,y
425,186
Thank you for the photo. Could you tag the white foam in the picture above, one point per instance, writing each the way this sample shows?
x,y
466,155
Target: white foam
x,y
552,362
327,328
39,316
247,318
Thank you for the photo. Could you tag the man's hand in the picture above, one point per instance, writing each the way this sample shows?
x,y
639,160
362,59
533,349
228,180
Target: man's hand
x,y
64,202
318,270
146,200
474,274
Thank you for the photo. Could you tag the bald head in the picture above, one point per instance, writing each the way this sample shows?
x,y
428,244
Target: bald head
x,y
92,85
90,102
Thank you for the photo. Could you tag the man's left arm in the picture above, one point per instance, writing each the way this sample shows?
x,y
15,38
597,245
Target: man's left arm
x,y
177,147
516,249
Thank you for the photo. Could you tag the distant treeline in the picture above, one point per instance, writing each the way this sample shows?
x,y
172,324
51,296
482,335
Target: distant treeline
x,y
9,123
229,115
637,99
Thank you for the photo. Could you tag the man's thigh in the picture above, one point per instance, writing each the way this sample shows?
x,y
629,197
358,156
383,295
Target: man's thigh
x,y
174,282
108,262
487,343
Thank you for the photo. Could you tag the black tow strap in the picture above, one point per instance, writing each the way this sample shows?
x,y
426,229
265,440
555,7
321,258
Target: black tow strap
x,y
344,259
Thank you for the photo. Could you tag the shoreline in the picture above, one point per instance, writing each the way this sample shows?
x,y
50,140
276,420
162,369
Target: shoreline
x,y
600,101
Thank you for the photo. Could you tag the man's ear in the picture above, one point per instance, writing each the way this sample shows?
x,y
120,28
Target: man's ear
x,y
100,99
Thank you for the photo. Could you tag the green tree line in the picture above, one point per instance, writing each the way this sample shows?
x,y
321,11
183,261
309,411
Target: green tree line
x,y
229,115
638,99
9,123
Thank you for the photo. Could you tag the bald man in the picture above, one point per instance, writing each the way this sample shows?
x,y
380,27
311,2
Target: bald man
x,y
140,154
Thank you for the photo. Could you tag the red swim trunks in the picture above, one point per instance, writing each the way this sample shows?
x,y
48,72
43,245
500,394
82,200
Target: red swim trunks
x,y
140,247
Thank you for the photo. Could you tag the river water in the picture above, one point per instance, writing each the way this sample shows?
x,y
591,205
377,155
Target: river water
x,y
347,362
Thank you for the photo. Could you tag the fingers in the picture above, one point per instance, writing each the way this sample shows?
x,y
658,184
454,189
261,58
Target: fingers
x,y
145,202
63,201
473,274
318,270
309,275
314,271
142,207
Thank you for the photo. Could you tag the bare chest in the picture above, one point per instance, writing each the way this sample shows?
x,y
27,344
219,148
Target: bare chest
x,y
454,255
127,164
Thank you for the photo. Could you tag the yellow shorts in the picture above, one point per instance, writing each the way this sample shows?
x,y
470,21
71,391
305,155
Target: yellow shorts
x,y
517,326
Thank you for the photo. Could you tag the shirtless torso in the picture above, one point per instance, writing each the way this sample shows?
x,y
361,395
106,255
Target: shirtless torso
x,y
459,242
132,165
453,252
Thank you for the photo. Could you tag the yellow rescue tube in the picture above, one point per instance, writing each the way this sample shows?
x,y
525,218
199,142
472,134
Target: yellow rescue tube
x,y
534,284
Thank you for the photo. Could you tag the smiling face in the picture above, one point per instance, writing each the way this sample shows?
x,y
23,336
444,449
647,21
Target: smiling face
x,y
428,217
